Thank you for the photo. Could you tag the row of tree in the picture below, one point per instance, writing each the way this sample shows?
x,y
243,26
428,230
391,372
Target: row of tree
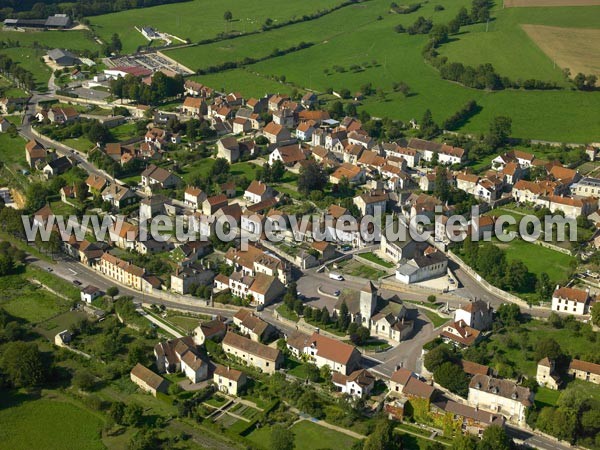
x,y
40,9
491,263
161,88
11,69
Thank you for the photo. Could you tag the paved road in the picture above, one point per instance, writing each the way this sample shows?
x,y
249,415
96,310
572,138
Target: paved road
x,y
535,440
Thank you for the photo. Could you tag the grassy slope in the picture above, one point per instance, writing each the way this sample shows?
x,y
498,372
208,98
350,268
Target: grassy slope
x,y
73,40
307,436
200,19
539,259
399,59
508,47
55,425
30,59
13,149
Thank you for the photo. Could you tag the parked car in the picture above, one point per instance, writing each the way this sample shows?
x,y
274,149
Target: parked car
x,y
77,282
336,276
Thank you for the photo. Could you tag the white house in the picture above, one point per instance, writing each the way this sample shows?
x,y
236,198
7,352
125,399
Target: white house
x,y
570,300
422,267
500,396
258,191
477,314
89,293
358,384
228,380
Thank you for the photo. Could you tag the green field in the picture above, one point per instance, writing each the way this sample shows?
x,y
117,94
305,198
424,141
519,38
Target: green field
x,y
200,19
539,259
31,59
387,57
516,348
508,48
370,256
308,437
546,397
82,144
22,299
72,40
47,423
12,149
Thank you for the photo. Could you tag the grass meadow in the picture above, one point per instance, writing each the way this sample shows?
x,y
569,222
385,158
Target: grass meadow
x,y
508,47
308,436
72,39
200,19
31,59
385,57
47,423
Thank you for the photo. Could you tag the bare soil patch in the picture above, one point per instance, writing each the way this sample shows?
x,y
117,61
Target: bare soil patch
x,y
575,48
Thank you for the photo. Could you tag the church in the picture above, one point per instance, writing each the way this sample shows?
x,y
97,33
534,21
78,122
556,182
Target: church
x,y
385,319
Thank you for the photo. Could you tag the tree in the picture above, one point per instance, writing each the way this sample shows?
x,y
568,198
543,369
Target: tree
x,y
463,442
360,336
548,348
579,81
228,16
431,298
132,414
112,292
144,440
312,373
282,438
277,171
325,315
428,128
325,372
499,131
115,412
509,314
220,167
22,364
596,314
494,438
343,317
84,380
436,357
543,287
382,437
452,377
442,188
312,178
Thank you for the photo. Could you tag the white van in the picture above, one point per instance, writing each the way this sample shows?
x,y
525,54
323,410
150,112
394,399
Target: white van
x,y
336,276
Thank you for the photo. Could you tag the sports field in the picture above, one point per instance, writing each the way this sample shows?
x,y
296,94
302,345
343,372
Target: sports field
x,y
577,49
201,19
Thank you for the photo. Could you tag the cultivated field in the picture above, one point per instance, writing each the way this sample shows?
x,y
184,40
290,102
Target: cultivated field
x,y
538,3
575,48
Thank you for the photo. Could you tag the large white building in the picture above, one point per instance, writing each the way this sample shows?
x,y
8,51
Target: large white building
x,y
570,300
500,396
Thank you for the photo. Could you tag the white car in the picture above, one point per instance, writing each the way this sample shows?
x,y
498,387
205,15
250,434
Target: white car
x,y
336,276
